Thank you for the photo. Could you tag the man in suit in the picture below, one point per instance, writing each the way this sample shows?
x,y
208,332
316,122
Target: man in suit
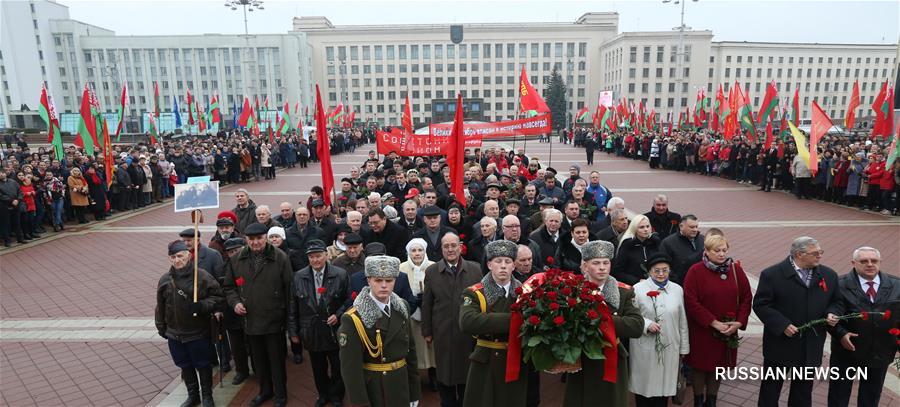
x,y
863,344
390,234
441,302
547,236
432,232
791,293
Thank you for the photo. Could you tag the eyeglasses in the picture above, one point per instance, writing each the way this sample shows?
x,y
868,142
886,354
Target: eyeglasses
x,y
819,253
660,271
511,226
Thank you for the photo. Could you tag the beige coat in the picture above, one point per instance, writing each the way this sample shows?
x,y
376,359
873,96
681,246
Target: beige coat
x,y
424,350
76,185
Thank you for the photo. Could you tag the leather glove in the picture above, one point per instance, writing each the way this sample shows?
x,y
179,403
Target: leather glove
x,y
195,308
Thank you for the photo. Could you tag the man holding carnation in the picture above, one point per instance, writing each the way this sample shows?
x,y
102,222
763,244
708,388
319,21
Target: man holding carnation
x,y
588,387
485,314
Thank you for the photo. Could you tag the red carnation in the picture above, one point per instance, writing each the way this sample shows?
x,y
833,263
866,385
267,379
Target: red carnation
x,y
550,260
532,304
572,302
534,320
864,316
463,249
730,314
559,320
551,295
554,306
320,290
566,291
239,281
894,331
653,294
462,236
886,316
592,314
353,295
674,222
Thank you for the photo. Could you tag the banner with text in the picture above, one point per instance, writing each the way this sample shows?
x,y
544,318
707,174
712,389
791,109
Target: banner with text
x,y
433,144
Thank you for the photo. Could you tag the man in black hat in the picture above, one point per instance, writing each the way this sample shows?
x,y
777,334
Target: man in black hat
x,y
207,259
257,283
319,293
185,323
537,219
324,220
432,232
353,259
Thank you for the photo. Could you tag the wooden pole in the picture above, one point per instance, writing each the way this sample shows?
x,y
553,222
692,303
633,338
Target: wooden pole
x,y
196,255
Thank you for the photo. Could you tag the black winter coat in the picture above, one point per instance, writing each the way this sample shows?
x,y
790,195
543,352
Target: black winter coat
x,y
628,264
875,347
296,240
394,238
568,256
263,292
308,311
683,254
174,295
665,224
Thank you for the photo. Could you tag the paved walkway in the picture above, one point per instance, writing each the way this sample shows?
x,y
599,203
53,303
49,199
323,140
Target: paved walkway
x,y
76,308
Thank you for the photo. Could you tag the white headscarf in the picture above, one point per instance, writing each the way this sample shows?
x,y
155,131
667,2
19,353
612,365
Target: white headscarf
x,y
413,243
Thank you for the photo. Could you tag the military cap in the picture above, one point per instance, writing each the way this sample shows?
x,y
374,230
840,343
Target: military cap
x,y
431,210
353,238
315,246
382,266
256,229
546,201
189,232
224,222
318,202
177,246
597,249
234,243
500,248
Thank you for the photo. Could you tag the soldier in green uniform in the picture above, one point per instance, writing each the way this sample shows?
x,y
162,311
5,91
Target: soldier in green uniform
x,y
587,387
485,315
378,354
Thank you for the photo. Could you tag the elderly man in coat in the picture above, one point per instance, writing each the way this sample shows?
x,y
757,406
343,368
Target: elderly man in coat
x,y
378,354
587,387
445,282
791,293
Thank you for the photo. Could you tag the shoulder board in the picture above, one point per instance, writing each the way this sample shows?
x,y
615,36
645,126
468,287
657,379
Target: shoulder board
x,y
623,285
476,287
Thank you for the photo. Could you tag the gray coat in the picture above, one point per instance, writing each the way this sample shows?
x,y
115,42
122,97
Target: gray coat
x,y
263,292
441,304
854,177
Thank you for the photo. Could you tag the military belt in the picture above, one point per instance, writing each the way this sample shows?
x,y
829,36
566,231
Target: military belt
x,y
484,343
384,367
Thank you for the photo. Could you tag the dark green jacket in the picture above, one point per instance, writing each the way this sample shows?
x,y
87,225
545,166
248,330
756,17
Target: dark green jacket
x,y
587,387
264,292
174,295
486,383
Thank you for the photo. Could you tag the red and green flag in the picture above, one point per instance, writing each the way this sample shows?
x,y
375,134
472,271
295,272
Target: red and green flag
x,y
769,104
215,115
819,127
530,101
87,126
109,159
247,118
123,99
745,113
583,115
884,112
154,129
155,99
192,109
48,113
718,111
795,106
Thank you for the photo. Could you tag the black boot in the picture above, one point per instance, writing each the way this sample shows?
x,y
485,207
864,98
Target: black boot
x,y
206,386
432,379
698,401
710,401
189,376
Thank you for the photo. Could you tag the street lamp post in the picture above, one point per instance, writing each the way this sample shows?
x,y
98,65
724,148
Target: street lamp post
x,y
246,5
679,56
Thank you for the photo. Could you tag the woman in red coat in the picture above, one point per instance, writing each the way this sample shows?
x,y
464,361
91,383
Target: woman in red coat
x,y
875,170
717,302
841,177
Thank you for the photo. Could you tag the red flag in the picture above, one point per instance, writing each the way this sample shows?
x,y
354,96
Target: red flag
x,y
770,103
190,103
323,149
769,137
884,112
246,113
456,153
819,127
109,160
795,115
529,99
406,119
850,118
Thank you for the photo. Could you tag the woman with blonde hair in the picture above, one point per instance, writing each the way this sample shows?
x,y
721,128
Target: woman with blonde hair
x,y
79,193
637,244
717,301
414,268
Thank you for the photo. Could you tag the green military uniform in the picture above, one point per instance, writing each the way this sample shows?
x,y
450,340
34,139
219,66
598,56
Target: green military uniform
x,y
587,387
377,351
485,315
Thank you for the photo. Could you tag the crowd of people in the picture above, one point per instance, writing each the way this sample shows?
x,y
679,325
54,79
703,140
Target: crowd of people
x,y
39,192
398,287
852,170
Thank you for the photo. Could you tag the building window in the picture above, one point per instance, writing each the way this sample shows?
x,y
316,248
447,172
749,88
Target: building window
x,y
646,54
632,55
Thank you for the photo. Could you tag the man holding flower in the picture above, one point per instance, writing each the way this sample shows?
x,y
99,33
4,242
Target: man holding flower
x,y
485,314
588,387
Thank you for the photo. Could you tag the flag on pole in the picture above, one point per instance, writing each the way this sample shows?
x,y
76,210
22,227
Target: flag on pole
x,y
109,160
821,123
247,119
153,129
769,104
795,113
189,100
529,99
769,136
456,152
234,115
718,111
583,115
177,113
48,113
884,112
800,141
892,153
406,118
122,103
87,126
850,117
323,149
214,113
156,99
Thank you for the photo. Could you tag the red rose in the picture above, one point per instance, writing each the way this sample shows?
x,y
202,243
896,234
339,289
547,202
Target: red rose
x,y
559,320
864,316
554,306
592,314
463,249
353,295
572,302
886,316
653,294
534,320
462,236
674,222
515,307
894,331
551,295
550,260
239,281
566,291
518,290
320,290
532,304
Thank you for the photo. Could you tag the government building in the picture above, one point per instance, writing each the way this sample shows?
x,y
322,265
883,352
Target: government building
x,y
371,68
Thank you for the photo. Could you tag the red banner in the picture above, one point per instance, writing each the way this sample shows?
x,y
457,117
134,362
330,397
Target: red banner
x,y
434,143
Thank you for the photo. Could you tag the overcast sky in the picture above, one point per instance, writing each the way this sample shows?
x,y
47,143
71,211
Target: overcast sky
x,y
778,21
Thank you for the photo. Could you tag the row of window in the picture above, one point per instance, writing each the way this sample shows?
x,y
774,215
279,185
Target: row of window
x,y
800,60
474,67
809,72
175,54
438,94
450,80
437,51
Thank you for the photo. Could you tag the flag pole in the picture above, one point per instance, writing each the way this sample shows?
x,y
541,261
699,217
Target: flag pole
x,y
197,215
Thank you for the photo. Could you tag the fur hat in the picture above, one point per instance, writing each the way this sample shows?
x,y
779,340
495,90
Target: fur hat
x,y
382,266
500,248
597,249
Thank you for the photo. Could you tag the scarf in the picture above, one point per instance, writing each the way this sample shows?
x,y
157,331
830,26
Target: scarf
x,y
95,179
493,292
718,268
661,285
